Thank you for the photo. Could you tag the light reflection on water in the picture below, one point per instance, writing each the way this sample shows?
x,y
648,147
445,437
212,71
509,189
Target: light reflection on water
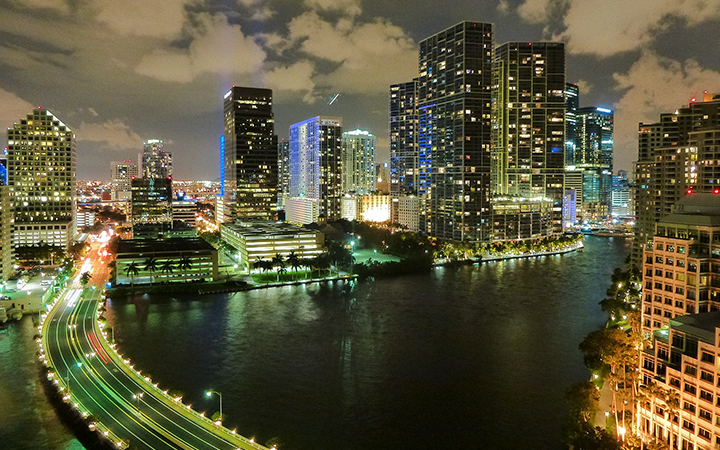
x,y
475,357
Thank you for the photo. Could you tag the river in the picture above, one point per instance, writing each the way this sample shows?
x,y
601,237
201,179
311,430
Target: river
x,y
470,357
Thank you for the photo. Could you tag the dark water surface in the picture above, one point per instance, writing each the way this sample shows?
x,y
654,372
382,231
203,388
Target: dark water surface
x,y
470,357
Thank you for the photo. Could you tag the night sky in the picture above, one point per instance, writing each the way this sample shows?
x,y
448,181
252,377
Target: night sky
x,y
122,71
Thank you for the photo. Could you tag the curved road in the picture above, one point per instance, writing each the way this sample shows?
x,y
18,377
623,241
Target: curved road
x,y
104,386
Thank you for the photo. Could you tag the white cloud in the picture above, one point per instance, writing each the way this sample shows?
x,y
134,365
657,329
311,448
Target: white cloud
x,y
217,47
60,6
503,7
114,134
370,56
652,86
163,19
258,8
608,27
295,77
13,109
347,7
585,86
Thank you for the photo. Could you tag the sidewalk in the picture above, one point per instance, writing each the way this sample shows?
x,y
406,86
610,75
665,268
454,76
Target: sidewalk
x,y
605,406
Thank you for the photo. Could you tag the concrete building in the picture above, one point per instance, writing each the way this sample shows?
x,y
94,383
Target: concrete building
x,y
315,185
404,163
520,218
681,261
41,180
155,161
249,155
174,260
529,128
122,173
283,172
358,162
6,249
683,361
366,208
669,163
263,240
410,211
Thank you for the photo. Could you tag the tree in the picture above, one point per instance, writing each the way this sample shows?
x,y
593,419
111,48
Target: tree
x,y
672,405
278,262
584,399
85,278
151,266
167,267
132,271
294,261
184,263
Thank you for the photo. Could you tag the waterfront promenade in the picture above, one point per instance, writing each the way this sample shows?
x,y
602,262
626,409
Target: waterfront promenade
x,y
124,406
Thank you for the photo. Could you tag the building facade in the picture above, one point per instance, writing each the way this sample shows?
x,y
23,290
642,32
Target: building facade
x,y
316,170
358,162
283,172
122,174
249,158
529,139
254,241
404,162
155,161
454,98
41,180
151,207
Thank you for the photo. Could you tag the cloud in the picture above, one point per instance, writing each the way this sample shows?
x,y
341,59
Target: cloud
x,y
609,27
114,134
655,85
368,56
503,7
346,7
294,77
13,109
162,19
259,11
217,47
585,86
58,6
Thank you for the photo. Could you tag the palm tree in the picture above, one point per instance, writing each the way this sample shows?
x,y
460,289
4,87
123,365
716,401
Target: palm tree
x,y
280,263
151,266
672,404
168,267
294,261
258,263
184,263
132,271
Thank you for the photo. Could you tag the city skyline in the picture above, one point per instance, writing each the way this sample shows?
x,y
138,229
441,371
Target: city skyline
x,y
117,81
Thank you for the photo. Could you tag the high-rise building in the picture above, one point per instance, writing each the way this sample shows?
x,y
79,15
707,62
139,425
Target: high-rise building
x,y
572,104
249,155
122,173
155,161
403,140
151,211
674,155
6,248
594,140
454,97
358,162
41,180
529,140
315,188
283,172
620,205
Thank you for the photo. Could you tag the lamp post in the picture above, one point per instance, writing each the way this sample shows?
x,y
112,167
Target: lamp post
x,y
209,394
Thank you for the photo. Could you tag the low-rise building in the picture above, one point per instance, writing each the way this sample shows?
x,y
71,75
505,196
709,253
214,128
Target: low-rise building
x,y
173,260
263,240
521,218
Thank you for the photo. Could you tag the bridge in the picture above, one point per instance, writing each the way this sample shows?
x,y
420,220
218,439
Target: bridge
x,y
125,407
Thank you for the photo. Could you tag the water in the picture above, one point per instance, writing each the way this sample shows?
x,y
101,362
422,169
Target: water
x,y
27,420
470,357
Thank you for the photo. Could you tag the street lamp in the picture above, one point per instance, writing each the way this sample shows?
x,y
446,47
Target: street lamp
x,y
138,397
209,394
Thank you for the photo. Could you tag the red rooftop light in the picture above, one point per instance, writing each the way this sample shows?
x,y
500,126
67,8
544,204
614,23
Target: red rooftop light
x,y
716,191
689,191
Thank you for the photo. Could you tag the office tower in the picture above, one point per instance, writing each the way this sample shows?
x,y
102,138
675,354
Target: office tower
x,y
382,177
283,172
674,155
529,141
155,161
454,129
122,173
315,188
151,212
41,180
403,140
250,155
620,205
594,141
6,248
358,162
572,104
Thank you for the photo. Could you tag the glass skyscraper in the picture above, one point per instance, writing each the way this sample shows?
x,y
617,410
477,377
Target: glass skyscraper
x,y
358,150
250,155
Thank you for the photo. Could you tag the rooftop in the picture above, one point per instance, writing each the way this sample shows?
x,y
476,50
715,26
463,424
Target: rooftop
x,y
267,228
701,325
696,209
163,245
